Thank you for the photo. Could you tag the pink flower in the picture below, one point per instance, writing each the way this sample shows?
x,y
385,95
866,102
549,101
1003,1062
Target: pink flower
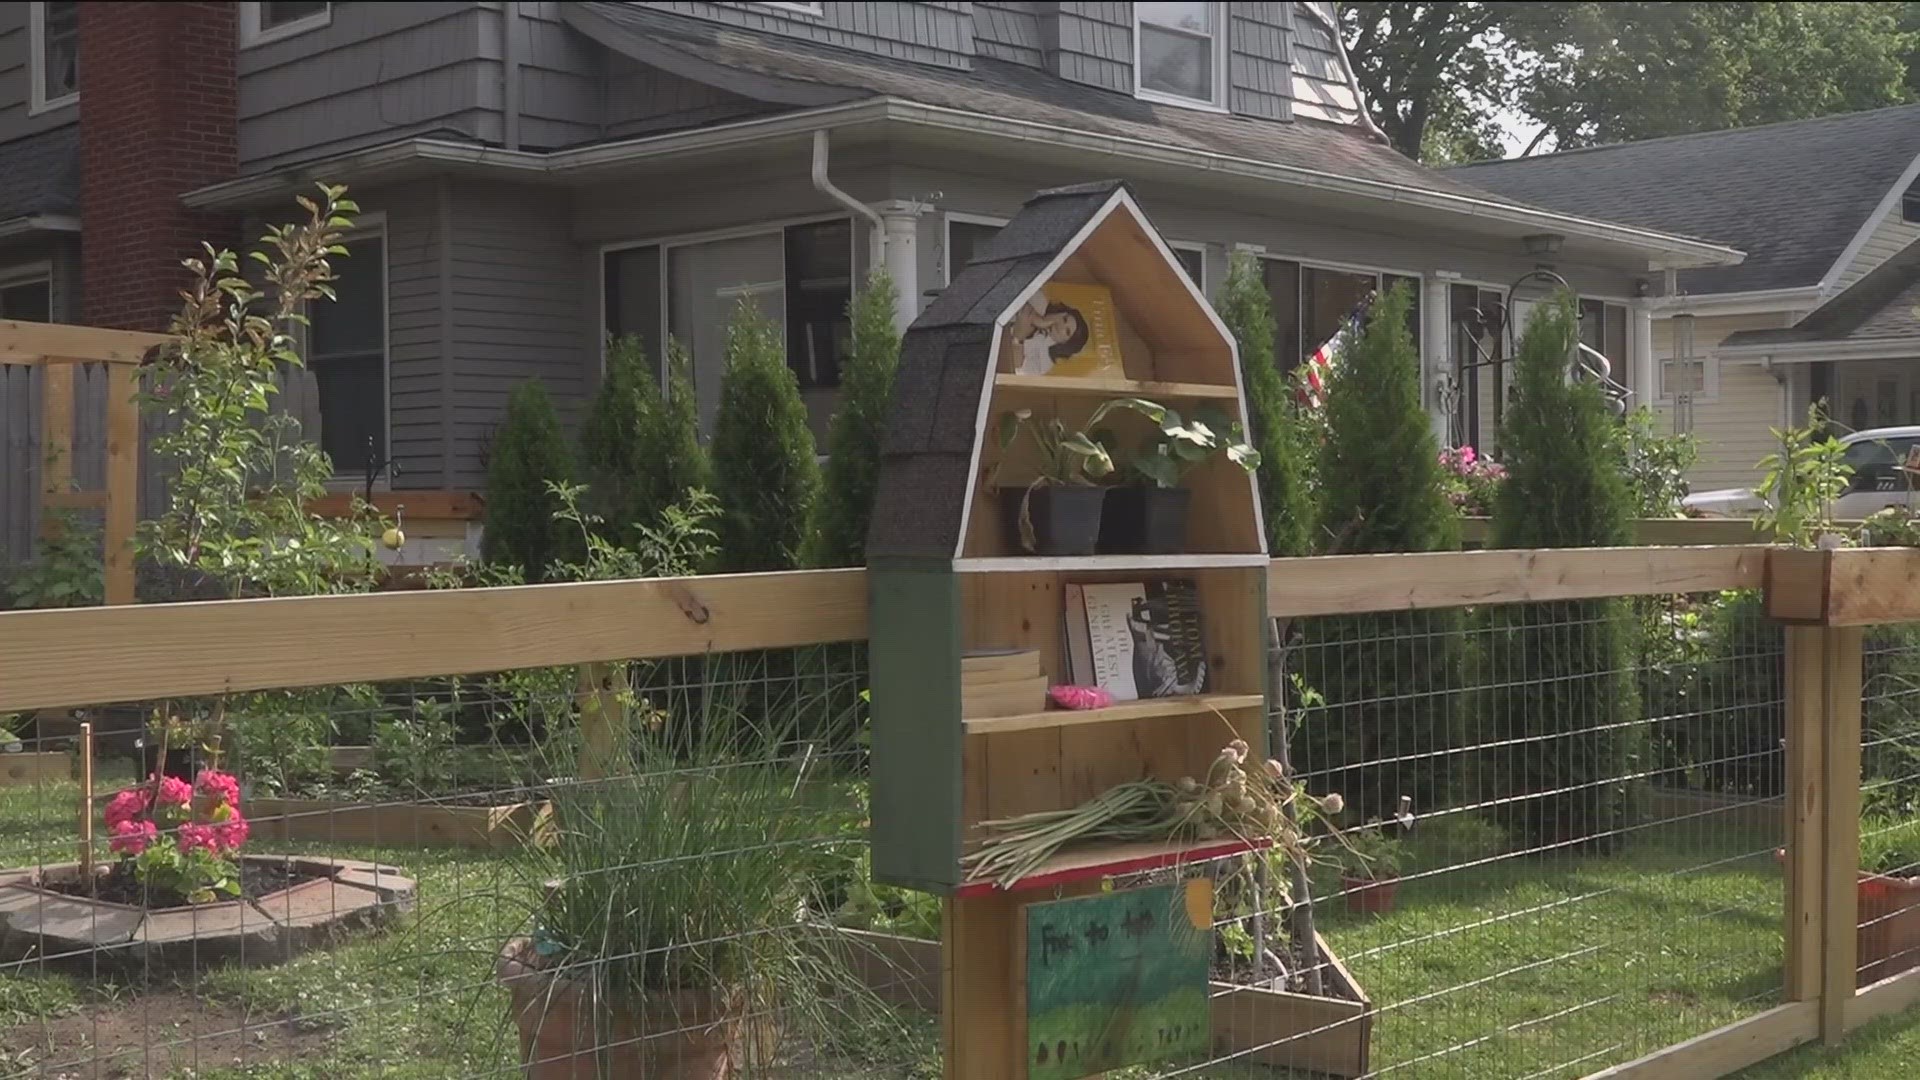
x,y
175,791
132,837
218,786
127,805
195,836
231,833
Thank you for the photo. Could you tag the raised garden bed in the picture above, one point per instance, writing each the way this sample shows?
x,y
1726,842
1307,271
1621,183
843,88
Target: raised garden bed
x,y
400,824
52,914
35,767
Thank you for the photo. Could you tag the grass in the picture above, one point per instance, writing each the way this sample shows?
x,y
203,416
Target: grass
x,y
1535,967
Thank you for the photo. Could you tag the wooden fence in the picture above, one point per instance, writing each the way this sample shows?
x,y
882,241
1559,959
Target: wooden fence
x,y
95,656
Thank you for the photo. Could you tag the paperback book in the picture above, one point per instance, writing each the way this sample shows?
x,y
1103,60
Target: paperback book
x,y
1136,639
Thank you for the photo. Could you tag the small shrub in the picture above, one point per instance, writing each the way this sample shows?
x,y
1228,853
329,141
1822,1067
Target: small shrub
x,y
67,571
1278,431
1657,465
639,448
838,536
764,471
529,456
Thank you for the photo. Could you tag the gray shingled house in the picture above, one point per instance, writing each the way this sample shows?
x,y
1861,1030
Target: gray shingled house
x,y
537,175
1824,210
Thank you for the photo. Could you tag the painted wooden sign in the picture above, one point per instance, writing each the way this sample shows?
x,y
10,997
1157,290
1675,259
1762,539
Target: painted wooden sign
x,y
1117,979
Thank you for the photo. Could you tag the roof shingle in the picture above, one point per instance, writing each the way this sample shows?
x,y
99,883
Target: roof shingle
x,y
1883,306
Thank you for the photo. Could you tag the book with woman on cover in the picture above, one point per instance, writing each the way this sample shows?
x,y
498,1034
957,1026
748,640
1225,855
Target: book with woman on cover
x,y
1067,329
1137,639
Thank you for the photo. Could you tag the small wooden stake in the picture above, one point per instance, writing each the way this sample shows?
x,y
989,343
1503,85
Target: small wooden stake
x,y
86,802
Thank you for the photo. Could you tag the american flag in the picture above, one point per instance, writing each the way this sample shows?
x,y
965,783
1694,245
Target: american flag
x,y
1318,369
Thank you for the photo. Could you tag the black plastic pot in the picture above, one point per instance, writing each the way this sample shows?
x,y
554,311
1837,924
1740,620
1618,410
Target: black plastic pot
x,y
1066,520
1145,521
180,763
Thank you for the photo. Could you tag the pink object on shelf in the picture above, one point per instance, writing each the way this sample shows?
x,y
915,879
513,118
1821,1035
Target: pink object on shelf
x,y
1079,697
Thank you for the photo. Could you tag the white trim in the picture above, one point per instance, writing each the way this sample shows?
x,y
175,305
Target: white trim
x,y
1201,249
1756,302
1889,203
365,225
1805,352
26,273
1221,56
1120,197
791,7
252,33
948,217
37,100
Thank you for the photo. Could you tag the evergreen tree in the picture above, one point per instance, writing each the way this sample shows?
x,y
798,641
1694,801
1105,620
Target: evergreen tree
x,y
764,471
1564,722
639,453
522,528
838,535
1286,455
1387,727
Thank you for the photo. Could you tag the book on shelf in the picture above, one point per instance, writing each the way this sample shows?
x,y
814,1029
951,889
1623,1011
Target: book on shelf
x,y
1136,639
1067,329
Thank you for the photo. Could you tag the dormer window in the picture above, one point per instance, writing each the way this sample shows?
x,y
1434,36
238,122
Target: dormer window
x,y
1180,53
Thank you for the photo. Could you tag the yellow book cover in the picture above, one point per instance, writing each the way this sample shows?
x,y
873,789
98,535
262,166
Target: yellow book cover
x,y
1067,329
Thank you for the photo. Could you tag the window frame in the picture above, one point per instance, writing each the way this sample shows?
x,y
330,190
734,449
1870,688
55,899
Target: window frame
x,y
253,31
1200,249
793,7
948,218
364,226
1305,264
1223,16
33,271
37,100
1910,207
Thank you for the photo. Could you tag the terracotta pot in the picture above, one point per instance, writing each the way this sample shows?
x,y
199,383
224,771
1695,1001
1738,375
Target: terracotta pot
x,y
566,1035
1887,941
1366,896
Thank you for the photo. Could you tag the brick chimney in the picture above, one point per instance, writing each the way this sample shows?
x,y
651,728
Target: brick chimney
x,y
157,119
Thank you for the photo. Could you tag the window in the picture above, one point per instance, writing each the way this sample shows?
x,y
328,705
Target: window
x,y
790,6
54,52
1194,261
1180,52
26,292
965,238
347,353
1311,304
1910,207
264,22
1603,328
800,276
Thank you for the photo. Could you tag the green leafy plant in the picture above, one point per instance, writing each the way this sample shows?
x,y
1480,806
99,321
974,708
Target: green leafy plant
x,y
676,542
66,571
1368,853
1890,843
1178,446
838,535
1285,439
1802,479
1657,464
639,448
765,474
415,751
1064,456
529,456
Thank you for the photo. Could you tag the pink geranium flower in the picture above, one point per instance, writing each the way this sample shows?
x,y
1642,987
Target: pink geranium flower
x,y
193,836
132,837
175,791
219,787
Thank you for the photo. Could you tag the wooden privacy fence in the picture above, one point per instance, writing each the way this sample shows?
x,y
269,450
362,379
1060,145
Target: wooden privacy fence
x,y
92,656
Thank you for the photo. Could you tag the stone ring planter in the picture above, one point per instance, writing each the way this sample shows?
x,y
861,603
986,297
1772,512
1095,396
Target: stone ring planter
x,y
39,923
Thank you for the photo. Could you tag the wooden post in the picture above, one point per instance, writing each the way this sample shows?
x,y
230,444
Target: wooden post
x,y
1806,809
599,703
1840,855
56,439
86,802
123,481
980,1032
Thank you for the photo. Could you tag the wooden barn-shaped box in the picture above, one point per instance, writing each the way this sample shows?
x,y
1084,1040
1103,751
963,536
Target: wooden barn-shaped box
x,y
968,630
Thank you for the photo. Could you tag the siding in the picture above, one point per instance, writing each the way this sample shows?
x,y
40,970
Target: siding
x,y
1732,431
1092,43
1320,85
16,80
1259,73
1893,235
21,455
416,245
928,33
562,73
1009,31
376,73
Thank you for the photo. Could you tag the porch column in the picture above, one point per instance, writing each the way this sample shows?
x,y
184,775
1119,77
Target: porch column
x,y
1646,374
1436,343
902,219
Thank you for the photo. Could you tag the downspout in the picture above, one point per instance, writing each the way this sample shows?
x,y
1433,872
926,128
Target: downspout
x,y
877,227
510,75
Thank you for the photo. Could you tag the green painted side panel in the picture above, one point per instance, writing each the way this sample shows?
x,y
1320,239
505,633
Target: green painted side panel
x,y
914,652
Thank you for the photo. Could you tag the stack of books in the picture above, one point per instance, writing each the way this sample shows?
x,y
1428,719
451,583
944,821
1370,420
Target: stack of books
x,y
1001,682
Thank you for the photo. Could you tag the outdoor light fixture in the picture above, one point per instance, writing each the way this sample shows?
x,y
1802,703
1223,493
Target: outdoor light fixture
x,y
1541,245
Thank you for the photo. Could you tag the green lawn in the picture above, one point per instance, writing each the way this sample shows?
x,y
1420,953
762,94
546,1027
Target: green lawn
x,y
1518,968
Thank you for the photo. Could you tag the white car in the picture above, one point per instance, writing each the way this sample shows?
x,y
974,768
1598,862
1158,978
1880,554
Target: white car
x,y
1878,481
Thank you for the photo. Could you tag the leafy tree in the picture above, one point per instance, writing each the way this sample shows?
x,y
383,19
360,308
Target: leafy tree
x,y
523,527
1386,726
1286,463
1564,721
1433,73
838,535
764,471
639,452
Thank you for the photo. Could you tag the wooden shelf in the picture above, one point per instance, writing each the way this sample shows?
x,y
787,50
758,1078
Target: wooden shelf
x,y
1127,710
1091,862
1061,384
1014,564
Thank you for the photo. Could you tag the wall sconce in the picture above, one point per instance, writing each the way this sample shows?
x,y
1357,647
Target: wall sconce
x,y
1543,245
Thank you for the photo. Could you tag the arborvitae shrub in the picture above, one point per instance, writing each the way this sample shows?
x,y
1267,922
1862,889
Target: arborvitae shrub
x,y
764,470
638,453
1286,455
528,452
838,536
1561,708
1388,724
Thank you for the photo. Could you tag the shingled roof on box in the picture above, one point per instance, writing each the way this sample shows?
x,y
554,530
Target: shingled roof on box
x,y
920,503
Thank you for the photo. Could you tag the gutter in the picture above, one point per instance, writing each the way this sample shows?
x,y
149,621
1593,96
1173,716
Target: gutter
x,y
1685,252
1803,352
877,231
37,223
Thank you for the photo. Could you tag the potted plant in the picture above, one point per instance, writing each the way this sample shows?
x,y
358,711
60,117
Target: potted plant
x,y
1147,513
1058,512
1370,868
676,913
1889,920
